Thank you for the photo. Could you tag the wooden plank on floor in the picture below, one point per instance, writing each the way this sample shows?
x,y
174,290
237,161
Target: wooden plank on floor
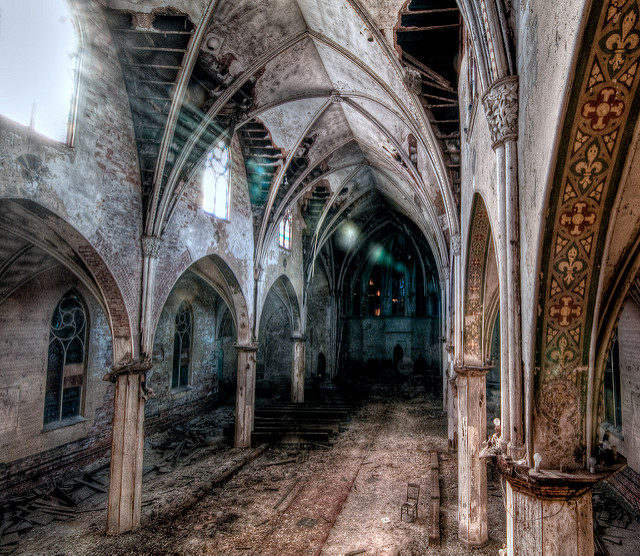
x,y
434,517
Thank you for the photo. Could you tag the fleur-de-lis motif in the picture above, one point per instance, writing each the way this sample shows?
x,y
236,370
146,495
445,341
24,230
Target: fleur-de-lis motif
x,y
604,108
622,41
570,266
562,354
590,167
565,311
578,218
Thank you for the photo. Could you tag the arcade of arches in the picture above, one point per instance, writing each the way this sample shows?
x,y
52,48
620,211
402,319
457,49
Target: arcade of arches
x,y
396,227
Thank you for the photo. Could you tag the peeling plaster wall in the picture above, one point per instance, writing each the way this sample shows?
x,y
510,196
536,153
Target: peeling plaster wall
x,y
95,185
25,319
169,405
275,352
318,325
193,234
287,262
629,340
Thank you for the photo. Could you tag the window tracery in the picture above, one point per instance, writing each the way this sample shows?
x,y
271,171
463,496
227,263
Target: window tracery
x,y
66,360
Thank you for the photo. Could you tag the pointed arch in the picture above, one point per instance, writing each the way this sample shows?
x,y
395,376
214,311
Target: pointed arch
x,y
479,293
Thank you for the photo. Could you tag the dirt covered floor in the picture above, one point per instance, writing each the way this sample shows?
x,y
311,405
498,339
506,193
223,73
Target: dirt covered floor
x,y
344,499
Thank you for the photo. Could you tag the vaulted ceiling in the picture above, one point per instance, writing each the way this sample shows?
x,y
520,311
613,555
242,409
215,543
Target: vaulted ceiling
x,y
339,105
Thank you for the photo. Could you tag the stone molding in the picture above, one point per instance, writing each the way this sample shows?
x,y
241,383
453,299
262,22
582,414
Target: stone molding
x,y
130,366
299,338
246,347
151,246
551,484
472,370
501,108
456,244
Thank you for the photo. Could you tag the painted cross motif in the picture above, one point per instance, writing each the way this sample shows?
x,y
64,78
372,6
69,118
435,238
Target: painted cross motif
x,y
590,167
578,218
603,109
570,266
622,41
565,311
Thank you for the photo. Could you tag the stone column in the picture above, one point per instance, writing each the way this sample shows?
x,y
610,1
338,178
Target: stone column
x,y
501,108
245,394
456,356
297,370
548,519
150,249
472,471
127,447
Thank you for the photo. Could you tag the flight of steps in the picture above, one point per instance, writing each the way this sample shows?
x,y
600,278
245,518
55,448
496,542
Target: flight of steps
x,y
294,423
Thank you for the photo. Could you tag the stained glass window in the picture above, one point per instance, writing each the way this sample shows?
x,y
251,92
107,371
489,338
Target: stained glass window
x,y
39,66
284,232
182,347
66,362
215,182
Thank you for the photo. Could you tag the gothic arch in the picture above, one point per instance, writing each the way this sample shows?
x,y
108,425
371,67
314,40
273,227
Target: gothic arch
x,y
217,273
285,292
38,227
479,293
599,119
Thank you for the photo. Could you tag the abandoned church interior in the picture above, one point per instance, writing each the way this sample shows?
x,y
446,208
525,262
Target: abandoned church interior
x,y
342,277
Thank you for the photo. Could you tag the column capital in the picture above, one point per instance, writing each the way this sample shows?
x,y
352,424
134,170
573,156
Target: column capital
x,y
552,484
501,108
472,370
129,367
151,246
246,347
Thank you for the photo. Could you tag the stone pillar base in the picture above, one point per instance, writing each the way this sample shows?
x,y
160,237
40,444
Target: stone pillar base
x,y
547,523
127,447
472,470
245,395
297,371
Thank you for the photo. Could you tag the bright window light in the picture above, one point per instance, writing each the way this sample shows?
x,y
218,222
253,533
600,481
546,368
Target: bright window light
x,y
284,232
39,64
215,182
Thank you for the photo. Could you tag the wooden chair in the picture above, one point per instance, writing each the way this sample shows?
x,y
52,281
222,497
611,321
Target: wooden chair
x,y
410,507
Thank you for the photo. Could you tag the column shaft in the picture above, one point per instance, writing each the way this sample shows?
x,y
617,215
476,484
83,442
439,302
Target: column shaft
x,y
472,471
127,447
516,412
297,371
245,395
538,525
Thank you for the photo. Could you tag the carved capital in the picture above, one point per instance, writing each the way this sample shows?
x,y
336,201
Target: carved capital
x,y
413,80
129,366
472,370
151,246
143,21
501,108
456,244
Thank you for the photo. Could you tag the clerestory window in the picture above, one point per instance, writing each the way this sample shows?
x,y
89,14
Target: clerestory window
x,y
39,66
215,182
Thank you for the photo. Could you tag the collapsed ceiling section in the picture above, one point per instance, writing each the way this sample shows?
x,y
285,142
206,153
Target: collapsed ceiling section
x,y
322,95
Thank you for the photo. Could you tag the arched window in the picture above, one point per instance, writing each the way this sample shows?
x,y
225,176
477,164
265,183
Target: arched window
x,y
66,361
284,232
215,182
182,347
612,389
39,66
